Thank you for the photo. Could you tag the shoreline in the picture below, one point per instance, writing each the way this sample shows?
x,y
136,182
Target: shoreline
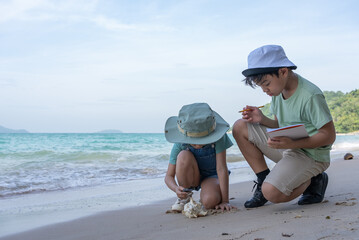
x,y
348,134
335,218
19,213
26,212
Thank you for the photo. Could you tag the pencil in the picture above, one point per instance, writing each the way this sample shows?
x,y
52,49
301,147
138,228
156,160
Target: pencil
x,y
248,109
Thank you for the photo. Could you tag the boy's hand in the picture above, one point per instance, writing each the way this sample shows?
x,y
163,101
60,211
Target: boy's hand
x,y
252,114
180,193
280,143
225,206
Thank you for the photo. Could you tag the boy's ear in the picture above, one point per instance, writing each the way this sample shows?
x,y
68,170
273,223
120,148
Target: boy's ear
x,y
283,72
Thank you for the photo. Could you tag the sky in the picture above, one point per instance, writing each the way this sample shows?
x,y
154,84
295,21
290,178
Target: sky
x,y
89,65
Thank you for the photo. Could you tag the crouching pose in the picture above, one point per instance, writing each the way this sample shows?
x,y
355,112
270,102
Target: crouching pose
x,y
300,164
198,156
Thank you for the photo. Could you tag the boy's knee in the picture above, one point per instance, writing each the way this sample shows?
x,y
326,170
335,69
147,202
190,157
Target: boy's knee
x,y
209,201
184,158
271,193
239,127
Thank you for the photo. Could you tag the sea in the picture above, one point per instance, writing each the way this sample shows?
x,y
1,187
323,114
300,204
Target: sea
x,y
43,174
33,163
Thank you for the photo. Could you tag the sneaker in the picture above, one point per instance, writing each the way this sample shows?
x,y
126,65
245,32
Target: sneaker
x,y
258,199
315,191
179,204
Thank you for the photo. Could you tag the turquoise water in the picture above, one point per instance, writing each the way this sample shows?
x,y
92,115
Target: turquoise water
x,y
31,163
42,162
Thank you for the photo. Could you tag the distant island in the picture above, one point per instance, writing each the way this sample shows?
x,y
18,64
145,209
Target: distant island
x,y
8,130
110,131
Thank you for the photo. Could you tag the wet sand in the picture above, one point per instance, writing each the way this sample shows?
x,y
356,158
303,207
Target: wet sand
x,y
337,217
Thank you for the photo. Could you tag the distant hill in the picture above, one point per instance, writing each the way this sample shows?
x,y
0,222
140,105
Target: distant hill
x,y
110,131
8,130
344,108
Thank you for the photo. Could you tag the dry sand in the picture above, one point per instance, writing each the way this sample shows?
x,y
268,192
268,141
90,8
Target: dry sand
x,y
336,218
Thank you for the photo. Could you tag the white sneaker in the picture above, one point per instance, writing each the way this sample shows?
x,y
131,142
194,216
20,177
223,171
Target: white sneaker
x,y
179,204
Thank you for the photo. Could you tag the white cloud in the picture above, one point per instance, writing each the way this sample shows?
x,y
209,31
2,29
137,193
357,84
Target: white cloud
x,y
25,10
114,25
109,64
16,9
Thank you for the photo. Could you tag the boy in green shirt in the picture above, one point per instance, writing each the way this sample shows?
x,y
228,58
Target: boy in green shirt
x,y
300,164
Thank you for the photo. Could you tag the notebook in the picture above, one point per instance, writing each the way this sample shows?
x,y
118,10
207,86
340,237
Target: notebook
x,y
296,131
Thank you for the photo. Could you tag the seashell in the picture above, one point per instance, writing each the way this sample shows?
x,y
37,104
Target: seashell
x,y
194,209
348,156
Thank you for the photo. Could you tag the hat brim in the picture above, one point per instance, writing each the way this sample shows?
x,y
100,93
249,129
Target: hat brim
x,y
173,135
255,71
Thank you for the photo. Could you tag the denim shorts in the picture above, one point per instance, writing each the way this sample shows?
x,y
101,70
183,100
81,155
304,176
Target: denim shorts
x,y
206,160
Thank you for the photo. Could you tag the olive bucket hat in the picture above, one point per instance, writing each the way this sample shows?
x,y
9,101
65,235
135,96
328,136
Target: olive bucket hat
x,y
196,123
265,59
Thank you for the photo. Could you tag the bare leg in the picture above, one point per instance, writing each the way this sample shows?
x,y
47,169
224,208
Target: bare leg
x,y
210,193
187,171
272,194
255,159
251,153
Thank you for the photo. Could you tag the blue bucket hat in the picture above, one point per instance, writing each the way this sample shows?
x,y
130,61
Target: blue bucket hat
x,y
196,123
265,59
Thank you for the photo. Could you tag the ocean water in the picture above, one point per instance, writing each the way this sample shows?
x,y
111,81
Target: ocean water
x,y
51,178
33,163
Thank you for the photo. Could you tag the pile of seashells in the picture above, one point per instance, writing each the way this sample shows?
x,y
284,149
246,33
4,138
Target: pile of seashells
x,y
194,209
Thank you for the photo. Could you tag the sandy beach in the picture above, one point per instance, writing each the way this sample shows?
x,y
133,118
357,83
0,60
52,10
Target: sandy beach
x,y
336,218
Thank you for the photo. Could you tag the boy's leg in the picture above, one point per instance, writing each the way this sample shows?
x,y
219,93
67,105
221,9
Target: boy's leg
x,y
210,192
272,193
187,172
291,176
252,141
251,153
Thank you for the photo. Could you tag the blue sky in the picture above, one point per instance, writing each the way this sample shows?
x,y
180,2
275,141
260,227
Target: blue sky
x,y
85,66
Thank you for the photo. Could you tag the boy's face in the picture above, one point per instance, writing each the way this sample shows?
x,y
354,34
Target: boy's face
x,y
272,85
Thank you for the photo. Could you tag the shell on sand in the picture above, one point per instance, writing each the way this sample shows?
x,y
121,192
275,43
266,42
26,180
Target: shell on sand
x,y
348,156
194,209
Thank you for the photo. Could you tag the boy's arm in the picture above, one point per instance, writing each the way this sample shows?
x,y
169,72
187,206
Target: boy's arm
x,y
318,113
171,183
325,136
223,179
222,172
270,123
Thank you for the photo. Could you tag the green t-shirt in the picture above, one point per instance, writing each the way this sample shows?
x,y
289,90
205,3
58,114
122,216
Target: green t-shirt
x,y
221,145
306,106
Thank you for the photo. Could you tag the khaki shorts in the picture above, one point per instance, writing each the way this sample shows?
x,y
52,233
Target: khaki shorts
x,y
293,167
